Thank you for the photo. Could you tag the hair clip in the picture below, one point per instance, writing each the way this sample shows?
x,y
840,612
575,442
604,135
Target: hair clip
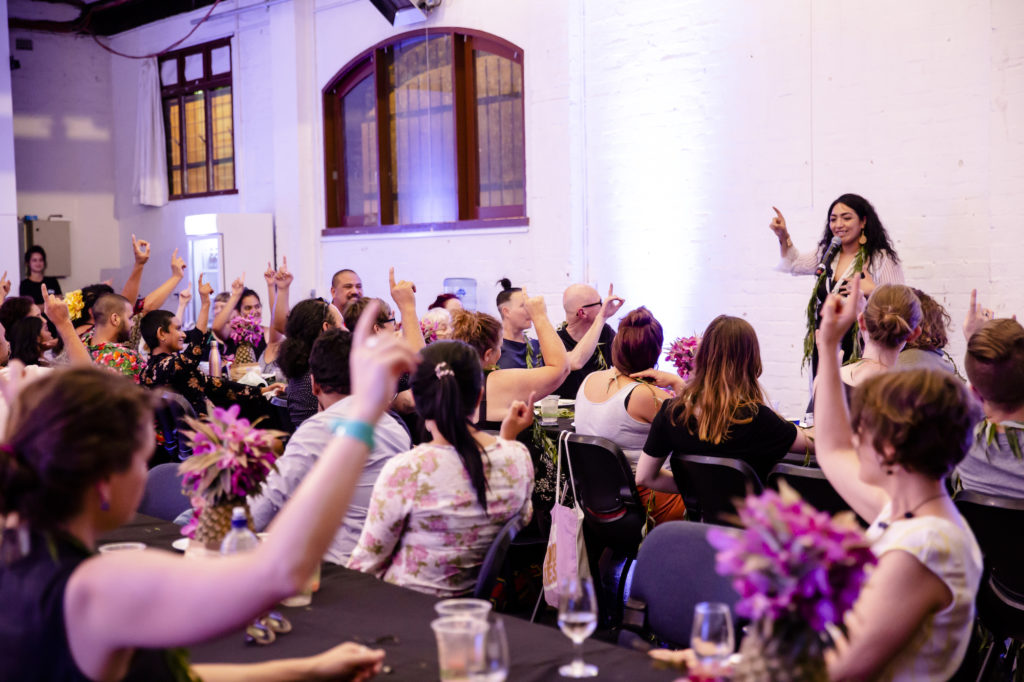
x,y
442,370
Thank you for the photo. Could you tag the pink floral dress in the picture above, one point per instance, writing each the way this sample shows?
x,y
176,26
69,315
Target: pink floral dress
x,y
425,529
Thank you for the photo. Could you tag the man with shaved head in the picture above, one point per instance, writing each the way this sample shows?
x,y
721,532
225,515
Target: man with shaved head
x,y
112,317
586,334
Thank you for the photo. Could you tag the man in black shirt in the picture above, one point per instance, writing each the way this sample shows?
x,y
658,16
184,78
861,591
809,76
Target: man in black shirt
x,y
586,334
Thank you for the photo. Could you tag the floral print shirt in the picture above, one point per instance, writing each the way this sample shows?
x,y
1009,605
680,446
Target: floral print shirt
x,y
425,529
180,372
117,357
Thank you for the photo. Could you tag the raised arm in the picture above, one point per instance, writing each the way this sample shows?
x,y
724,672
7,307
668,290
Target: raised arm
x,y
283,279
403,293
270,277
131,287
156,298
57,312
834,445
5,286
102,600
220,322
184,296
205,289
579,355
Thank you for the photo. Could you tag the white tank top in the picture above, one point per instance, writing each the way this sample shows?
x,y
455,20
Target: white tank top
x,y
609,419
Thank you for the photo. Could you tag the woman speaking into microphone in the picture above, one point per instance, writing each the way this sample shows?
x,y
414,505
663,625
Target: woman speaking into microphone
x,y
854,243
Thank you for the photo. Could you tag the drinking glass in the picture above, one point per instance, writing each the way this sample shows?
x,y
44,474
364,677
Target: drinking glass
x,y
577,618
460,646
549,410
495,655
712,637
474,608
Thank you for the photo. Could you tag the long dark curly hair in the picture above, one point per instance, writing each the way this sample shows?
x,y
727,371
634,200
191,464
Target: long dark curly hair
x,y
877,238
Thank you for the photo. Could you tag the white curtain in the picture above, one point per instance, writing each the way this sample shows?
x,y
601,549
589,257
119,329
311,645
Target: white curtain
x,y
149,183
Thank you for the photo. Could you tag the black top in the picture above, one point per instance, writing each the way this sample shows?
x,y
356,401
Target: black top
x,y
601,359
760,443
31,289
513,354
302,404
33,639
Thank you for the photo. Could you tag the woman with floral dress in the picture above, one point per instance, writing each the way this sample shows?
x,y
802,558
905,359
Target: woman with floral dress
x,y
436,509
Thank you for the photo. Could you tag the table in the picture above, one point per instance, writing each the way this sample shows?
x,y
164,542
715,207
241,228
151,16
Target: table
x,y
358,607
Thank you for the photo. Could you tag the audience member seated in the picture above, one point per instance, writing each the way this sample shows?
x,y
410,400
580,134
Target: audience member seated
x,y
891,318
518,351
928,349
345,287
436,325
721,411
31,341
35,260
995,368
112,317
614,405
449,302
173,365
16,308
436,509
69,613
888,460
586,334
245,302
328,366
305,323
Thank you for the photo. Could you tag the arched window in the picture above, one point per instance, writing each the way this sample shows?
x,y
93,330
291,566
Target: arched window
x,y
426,130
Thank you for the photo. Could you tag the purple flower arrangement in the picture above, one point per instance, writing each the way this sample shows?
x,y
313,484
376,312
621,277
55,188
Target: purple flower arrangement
x,y
246,329
791,561
230,458
429,330
682,353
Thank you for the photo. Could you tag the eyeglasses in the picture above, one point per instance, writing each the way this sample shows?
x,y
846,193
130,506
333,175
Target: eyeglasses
x,y
390,319
590,305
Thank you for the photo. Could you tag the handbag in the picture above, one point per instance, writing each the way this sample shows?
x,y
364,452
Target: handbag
x,y
566,555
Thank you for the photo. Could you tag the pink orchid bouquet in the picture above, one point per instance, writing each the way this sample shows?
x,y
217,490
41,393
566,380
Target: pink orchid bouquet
x,y
682,353
246,329
429,330
791,562
230,459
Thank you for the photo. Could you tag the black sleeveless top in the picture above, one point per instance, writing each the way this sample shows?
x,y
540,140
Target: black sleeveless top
x,y
33,639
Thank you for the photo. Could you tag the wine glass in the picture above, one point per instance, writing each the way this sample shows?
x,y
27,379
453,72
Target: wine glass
x,y
577,618
495,655
712,637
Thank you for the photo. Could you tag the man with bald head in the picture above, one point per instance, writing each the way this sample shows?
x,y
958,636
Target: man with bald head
x,y
345,286
586,334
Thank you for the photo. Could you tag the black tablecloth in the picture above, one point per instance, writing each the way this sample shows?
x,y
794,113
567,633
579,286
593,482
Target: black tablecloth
x,y
357,607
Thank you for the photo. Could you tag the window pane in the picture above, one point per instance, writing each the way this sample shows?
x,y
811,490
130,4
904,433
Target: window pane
x,y
194,66
499,110
169,72
422,132
359,118
172,128
195,143
222,149
220,60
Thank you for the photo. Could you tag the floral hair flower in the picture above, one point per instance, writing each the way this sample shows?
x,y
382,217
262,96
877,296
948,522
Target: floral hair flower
x,y
75,304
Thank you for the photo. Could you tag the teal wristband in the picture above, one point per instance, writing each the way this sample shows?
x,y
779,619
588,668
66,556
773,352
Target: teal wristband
x,y
361,431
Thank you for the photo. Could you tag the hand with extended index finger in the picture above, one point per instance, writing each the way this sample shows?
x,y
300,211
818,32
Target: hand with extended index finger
x,y
375,364
5,286
205,289
238,286
403,292
177,265
269,275
837,316
778,225
611,304
977,316
284,277
55,309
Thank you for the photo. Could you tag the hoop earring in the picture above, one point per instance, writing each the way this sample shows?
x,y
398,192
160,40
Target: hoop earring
x,y
863,239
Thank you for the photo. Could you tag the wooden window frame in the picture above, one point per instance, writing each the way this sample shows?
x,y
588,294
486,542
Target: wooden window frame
x,y
182,89
373,63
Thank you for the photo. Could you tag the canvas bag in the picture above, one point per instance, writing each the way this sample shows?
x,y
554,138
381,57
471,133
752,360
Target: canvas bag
x,y
566,554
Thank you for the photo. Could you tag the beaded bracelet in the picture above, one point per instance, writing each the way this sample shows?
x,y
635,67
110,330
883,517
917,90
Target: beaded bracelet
x,y
352,428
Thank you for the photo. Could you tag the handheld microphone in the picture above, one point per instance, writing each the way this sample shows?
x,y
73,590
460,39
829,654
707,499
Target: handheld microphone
x,y
830,253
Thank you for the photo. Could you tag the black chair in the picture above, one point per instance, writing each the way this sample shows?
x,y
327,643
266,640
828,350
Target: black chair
x,y
614,516
998,525
715,482
494,560
675,571
163,497
170,418
812,486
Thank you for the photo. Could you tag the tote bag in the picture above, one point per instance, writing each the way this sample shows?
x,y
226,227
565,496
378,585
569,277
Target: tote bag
x,y
566,554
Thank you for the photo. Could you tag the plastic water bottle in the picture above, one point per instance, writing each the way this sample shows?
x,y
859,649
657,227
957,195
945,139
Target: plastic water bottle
x,y
239,538
215,370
